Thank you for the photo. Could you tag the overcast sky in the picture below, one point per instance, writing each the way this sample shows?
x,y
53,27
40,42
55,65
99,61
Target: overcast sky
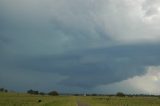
x,y
102,46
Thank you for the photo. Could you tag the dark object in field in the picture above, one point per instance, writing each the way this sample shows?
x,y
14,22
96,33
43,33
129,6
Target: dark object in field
x,y
120,94
53,93
39,101
32,92
3,90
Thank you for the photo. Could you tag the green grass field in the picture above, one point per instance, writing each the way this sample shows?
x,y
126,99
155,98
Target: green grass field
x,y
121,101
15,99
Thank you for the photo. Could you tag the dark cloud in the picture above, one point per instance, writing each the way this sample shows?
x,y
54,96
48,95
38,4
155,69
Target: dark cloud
x,y
91,68
86,43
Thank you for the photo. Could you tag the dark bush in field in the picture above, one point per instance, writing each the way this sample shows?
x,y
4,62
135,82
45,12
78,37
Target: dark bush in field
x,y
39,101
76,94
53,93
94,94
32,92
3,90
120,94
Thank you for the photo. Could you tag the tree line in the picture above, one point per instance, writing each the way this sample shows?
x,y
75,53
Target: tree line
x,y
3,90
35,92
55,93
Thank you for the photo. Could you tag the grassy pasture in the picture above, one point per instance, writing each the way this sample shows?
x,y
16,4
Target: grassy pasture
x,y
121,101
15,99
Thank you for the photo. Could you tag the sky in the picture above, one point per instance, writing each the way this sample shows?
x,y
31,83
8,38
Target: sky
x,y
93,46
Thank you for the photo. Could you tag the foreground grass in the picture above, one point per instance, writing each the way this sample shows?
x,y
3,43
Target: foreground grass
x,y
121,101
14,99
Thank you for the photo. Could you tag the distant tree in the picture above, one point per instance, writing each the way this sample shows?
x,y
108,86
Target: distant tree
x,y
94,94
36,92
53,93
32,92
120,94
2,89
76,94
6,90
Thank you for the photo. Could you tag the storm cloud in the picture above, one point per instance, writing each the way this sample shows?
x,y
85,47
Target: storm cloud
x,y
78,44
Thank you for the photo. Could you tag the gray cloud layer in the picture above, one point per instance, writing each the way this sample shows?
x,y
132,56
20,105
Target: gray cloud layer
x,y
86,43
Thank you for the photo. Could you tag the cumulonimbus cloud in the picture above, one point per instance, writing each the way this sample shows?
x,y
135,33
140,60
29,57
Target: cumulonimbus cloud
x,y
92,42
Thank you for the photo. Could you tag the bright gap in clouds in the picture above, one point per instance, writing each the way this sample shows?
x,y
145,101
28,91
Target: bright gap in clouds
x,y
145,84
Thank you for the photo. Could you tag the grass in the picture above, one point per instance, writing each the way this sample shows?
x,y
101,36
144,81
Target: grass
x,y
15,99
121,101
